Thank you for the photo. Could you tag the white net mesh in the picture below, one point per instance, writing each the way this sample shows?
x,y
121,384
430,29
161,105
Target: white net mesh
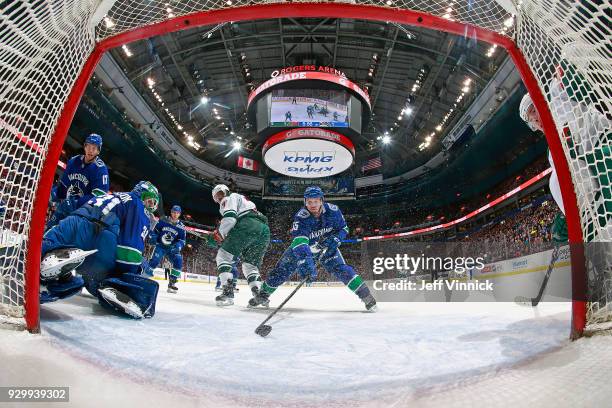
x,y
46,43
44,46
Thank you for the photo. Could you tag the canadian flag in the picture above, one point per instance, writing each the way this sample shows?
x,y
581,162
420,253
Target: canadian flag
x,y
246,163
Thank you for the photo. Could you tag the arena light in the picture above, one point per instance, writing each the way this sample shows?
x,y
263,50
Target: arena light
x,y
108,22
491,50
237,145
204,100
439,128
386,139
126,50
408,110
150,82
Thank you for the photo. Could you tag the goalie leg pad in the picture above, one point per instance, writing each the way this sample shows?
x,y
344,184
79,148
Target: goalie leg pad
x,y
61,289
139,289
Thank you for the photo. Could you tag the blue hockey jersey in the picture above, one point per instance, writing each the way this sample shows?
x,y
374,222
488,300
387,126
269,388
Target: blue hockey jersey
x,y
169,234
125,211
83,180
309,230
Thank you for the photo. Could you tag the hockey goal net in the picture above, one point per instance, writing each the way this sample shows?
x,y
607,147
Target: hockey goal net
x,y
50,48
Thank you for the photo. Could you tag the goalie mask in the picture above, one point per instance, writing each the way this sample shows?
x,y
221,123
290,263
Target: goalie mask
x,y
148,194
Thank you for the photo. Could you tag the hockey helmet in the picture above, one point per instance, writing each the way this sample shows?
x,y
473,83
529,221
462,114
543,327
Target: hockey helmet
x,y
94,139
526,104
313,192
176,208
220,187
146,190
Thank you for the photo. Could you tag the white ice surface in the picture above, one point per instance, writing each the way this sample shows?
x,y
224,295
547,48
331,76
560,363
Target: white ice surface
x,y
323,351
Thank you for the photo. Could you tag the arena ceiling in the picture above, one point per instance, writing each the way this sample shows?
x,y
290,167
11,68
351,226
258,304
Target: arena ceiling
x,y
414,76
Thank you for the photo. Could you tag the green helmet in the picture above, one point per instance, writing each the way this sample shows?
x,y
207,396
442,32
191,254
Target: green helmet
x,y
146,190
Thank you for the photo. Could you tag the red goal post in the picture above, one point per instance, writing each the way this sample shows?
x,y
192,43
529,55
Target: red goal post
x,y
53,48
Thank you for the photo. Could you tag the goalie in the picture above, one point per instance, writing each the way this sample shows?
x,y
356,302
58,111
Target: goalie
x,y
110,231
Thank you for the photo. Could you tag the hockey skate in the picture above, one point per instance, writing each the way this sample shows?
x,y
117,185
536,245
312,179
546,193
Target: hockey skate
x,y
60,261
370,303
260,298
122,302
172,288
226,298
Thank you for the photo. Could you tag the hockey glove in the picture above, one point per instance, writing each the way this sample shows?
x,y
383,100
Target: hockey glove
x,y
307,269
67,206
331,243
217,236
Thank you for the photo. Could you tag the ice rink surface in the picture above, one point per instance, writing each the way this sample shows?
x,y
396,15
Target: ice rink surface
x,y
324,350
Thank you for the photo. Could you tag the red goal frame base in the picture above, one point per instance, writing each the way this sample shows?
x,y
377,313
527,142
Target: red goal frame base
x,y
297,10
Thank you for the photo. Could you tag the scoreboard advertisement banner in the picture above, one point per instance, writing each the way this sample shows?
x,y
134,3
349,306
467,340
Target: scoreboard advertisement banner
x,y
340,187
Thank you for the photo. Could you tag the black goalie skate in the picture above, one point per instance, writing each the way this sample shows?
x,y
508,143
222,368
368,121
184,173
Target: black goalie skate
x,y
260,298
226,298
172,288
370,303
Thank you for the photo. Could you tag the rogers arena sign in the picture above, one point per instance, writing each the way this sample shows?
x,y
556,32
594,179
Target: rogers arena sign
x,y
308,153
320,76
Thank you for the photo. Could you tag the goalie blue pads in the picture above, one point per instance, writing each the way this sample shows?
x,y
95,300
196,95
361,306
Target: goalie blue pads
x,y
56,290
139,289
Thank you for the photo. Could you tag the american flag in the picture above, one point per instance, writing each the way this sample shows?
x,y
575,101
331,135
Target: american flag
x,y
373,163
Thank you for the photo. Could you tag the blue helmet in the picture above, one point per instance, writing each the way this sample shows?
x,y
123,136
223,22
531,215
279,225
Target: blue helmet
x,y
176,208
94,139
313,192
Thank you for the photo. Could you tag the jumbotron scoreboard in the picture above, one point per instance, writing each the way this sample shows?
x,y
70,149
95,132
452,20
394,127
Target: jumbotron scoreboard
x,y
307,118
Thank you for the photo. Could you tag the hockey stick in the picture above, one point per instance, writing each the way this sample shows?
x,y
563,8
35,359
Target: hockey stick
x,y
525,301
263,329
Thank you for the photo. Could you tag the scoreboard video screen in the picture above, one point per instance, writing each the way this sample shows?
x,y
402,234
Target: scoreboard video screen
x,y
309,108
